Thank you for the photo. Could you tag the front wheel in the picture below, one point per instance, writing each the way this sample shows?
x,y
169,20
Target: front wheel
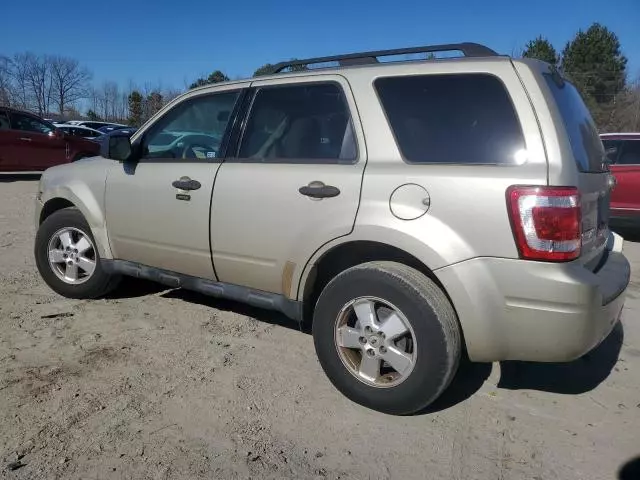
x,y
387,337
67,257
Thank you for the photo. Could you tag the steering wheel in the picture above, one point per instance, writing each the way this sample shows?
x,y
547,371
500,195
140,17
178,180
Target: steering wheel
x,y
190,142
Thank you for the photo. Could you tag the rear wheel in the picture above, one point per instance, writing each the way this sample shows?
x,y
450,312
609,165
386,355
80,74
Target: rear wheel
x,y
387,337
67,257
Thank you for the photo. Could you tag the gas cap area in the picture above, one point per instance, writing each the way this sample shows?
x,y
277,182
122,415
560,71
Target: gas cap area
x,y
409,201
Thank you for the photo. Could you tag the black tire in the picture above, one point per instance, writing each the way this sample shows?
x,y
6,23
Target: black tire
x,y
425,307
99,284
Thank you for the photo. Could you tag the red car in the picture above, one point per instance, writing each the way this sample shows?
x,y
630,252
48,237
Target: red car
x,y
623,151
29,143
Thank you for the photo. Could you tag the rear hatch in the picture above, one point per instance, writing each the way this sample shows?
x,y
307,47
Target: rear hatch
x,y
589,156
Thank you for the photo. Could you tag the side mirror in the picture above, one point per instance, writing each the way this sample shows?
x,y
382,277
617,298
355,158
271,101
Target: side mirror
x,y
116,147
56,133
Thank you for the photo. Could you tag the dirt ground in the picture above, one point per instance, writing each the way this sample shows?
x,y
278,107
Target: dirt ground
x,y
158,384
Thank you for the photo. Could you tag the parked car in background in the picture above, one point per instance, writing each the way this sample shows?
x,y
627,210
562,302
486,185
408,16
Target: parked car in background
x,y
623,151
78,130
111,128
30,143
128,132
94,124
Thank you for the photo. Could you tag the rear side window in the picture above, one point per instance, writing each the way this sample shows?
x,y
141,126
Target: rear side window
x,y
307,123
582,132
459,118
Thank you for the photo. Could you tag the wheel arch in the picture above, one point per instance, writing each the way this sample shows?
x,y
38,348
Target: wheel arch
x,y
348,254
52,206
64,197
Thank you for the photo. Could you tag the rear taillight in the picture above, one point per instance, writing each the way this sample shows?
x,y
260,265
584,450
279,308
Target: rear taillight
x,y
546,222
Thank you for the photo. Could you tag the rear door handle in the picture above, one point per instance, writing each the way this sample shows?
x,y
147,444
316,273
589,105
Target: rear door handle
x,y
185,183
25,139
319,190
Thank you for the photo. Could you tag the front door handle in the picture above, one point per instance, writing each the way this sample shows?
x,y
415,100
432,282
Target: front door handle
x,y
319,190
25,139
185,183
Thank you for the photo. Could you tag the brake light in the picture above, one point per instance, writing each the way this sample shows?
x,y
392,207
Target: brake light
x,y
546,222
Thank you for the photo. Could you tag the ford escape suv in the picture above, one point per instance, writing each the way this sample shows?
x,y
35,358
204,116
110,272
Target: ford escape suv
x,y
411,210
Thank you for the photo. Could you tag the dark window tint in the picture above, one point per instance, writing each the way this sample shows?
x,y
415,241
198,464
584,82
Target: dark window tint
x,y
612,149
466,118
94,125
582,132
193,129
305,122
27,123
629,152
4,121
86,133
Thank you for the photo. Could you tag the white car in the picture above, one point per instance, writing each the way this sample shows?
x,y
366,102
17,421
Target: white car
x,y
93,124
78,130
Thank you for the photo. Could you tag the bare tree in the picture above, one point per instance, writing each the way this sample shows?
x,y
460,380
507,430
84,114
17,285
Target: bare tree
x,y
170,94
6,83
94,100
22,93
154,103
70,81
106,99
622,112
39,81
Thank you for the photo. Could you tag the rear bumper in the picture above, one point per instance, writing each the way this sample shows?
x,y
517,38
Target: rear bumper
x,y
548,312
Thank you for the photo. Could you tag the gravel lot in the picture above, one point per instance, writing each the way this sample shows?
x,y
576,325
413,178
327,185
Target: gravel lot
x,y
155,383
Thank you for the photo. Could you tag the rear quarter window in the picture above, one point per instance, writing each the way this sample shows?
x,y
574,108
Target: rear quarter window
x,y
581,130
452,119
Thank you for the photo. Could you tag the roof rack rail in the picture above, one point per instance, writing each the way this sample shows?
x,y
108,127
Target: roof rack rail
x,y
365,58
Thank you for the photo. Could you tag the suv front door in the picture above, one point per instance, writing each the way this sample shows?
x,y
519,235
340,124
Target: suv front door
x,y
158,207
292,185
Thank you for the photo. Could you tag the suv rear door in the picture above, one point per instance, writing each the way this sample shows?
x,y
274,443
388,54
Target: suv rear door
x,y
292,185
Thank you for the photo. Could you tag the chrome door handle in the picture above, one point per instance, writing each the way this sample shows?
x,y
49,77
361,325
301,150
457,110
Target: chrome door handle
x,y
319,190
185,183
25,139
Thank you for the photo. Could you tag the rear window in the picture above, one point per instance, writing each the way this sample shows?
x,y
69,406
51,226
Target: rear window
x,y
582,132
459,118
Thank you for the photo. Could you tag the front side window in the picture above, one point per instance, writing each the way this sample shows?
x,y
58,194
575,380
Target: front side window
x,y
452,119
307,123
27,123
192,130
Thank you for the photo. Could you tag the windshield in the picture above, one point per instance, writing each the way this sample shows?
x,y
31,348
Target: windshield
x,y
582,132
